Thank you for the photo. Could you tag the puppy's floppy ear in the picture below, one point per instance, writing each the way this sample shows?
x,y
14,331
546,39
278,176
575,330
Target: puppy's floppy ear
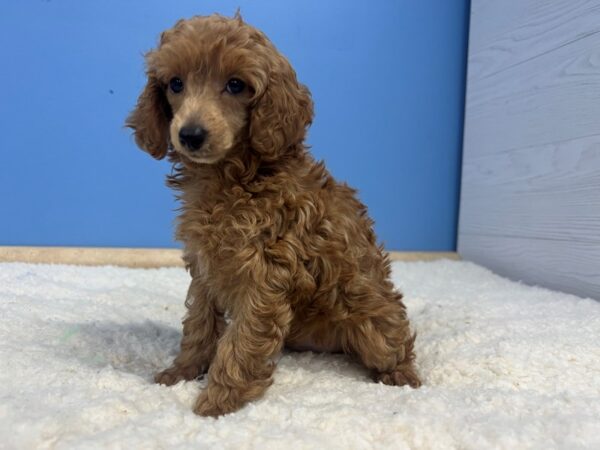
x,y
150,119
281,113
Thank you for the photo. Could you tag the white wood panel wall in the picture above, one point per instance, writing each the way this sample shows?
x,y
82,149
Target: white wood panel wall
x,y
530,197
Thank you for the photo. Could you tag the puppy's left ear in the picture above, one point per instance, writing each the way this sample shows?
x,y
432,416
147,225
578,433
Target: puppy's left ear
x,y
150,119
282,113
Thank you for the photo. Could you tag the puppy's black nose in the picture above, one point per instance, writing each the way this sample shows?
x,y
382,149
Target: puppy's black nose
x,y
192,136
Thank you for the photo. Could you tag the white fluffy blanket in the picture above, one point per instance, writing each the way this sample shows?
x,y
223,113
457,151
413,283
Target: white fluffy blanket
x,y
504,366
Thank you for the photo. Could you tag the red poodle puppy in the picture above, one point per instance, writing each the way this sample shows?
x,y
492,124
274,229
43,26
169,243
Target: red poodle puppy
x,y
272,241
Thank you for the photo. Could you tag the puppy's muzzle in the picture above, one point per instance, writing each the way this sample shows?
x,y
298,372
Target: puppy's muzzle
x,y
192,137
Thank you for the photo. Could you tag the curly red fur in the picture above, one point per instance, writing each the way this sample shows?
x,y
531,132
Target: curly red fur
x,y
271,239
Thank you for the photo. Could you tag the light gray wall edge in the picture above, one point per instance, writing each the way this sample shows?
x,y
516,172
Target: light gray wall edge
x,y
530,196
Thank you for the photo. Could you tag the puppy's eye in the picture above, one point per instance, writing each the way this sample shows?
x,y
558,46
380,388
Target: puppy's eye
x,y
176,85
235,86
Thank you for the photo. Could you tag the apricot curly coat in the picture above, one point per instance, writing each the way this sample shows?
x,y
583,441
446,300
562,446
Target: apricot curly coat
x,y
278,251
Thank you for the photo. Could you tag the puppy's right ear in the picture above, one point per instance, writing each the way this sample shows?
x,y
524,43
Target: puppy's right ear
x,y
150,119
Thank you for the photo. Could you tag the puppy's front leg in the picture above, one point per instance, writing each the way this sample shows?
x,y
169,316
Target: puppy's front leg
x,y
242,367
201,329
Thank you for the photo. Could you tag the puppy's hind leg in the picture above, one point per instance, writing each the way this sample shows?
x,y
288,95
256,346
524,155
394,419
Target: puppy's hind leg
x,y
383,341
201,330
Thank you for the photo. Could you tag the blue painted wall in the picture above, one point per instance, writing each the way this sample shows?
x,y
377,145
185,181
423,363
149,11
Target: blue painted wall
x,y
387,78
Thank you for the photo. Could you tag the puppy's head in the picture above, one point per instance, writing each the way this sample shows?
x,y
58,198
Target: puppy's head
x,y
215,84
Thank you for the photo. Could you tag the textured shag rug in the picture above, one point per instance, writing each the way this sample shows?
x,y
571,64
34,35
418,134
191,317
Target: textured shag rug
x,y
504,366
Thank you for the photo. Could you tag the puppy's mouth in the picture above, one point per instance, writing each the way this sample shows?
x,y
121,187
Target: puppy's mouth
x,y
203,155
197,144
193,144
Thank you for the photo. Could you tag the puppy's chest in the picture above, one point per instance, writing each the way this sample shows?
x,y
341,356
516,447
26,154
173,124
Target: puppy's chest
x,y
235,219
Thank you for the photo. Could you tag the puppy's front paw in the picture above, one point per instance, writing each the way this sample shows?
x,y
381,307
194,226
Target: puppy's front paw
x,y
175,374
214,403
